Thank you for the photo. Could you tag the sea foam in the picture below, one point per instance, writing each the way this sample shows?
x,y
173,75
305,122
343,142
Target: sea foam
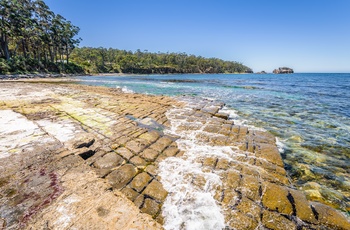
x,y
191,205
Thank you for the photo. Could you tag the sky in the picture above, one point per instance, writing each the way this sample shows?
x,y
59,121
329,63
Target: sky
x,y
306,35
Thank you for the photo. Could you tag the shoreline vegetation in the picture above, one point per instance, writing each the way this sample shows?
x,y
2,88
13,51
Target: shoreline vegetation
x,y
102,60
33,39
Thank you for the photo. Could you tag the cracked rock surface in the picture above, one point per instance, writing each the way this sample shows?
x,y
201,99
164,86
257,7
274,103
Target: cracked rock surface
x,y
79,157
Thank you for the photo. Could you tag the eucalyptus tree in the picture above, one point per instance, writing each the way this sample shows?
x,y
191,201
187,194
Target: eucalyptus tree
x,y
31,32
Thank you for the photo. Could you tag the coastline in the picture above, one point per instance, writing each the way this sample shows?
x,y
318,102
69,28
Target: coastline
x,y
116,127
50,76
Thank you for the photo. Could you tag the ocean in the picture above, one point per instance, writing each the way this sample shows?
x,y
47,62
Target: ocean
x,y
309,113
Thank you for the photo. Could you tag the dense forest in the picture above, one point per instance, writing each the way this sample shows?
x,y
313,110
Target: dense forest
x,y
35,39
102,60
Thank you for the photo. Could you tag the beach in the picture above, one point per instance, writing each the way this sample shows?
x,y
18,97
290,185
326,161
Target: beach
x,y
75,156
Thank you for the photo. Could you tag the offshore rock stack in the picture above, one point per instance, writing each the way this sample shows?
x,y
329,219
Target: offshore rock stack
x,y
283,70
90,157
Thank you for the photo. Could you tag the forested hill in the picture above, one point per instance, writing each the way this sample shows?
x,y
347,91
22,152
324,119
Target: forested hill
x,y
101,60
35,39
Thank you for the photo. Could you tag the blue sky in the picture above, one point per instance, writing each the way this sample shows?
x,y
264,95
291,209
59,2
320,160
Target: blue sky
x,y
306,35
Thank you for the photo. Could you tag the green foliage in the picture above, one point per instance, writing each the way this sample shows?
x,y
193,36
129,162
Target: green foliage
x,y
21,65
32,37
102,60
4,66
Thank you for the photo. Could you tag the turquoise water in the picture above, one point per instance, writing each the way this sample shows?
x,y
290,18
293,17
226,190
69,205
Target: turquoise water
x,y
309,113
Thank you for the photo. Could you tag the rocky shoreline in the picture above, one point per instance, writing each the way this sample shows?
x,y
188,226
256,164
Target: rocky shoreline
x,y
37,75
88,157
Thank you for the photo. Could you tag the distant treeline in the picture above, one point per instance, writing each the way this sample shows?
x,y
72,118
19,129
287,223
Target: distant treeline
x,y
35,39
102,60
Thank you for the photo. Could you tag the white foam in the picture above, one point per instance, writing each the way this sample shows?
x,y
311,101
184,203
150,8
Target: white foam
x,y
125,89
238,120
280,145
190,205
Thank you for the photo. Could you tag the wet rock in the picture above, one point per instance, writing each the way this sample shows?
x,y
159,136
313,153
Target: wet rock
x,y
274,178
139,200
210,161
302,207
171,151
150,207
135,146
275,198
149,154
130,193
311,185
140,181
240,221
233,179
151,136
250,187
243,131
229,197
156,191
199,181
211,109
120,177
138,161
218,140
212,128
263,137
330,217
224,116
246,170
315,195
110,160
270,153
222,163
250,208
161,144
273,220
151,169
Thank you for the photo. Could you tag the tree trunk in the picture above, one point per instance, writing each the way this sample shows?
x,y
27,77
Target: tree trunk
x,y
52,58
24,48
67,53
4,46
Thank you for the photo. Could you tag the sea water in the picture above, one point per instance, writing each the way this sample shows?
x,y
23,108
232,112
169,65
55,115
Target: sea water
x,y
309,113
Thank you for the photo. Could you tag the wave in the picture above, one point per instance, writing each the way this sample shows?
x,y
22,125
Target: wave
x,y
125,89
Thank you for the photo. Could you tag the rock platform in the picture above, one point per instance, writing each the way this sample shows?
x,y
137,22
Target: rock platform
x,y
79,157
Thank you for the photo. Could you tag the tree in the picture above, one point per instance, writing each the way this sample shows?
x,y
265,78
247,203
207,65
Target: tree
x,y
32,33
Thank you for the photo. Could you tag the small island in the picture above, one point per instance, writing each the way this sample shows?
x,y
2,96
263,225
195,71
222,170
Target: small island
x,y
283,70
